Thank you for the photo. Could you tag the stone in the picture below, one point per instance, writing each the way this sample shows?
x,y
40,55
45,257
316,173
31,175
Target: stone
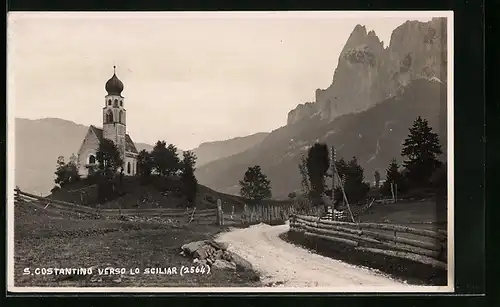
x,y
219,254
192,247
241,264
203,252
227,256
221,264
219,245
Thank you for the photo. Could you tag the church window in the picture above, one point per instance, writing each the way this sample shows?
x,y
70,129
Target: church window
x,y
121,103
116,102
109,102
109,117
128,167
91,159
120,117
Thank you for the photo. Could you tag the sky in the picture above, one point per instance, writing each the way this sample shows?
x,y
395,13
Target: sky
x,y
188,77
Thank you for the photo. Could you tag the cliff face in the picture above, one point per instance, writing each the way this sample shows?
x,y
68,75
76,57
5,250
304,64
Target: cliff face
x,y
367,73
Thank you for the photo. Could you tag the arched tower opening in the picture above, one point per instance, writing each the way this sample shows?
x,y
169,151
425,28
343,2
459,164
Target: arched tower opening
x,y
109,117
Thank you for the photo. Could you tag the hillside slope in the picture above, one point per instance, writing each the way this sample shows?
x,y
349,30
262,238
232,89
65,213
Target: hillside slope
x,y
373,136
38,144
211,151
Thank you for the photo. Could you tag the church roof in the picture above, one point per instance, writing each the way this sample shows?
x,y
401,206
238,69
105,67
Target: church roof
x,y
129,144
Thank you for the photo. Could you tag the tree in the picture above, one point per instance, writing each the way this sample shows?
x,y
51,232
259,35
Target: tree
x,y
110,162
144,164
189,159
355,187
255,184
190,183
377,179
160,158
292,195
305,187
318,163
422,148
393,176
352,180
165,159
108,157
173,161
66,172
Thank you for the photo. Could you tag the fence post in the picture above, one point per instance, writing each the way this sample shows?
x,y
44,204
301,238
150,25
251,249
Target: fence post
x,y
17,196
220,216
217,215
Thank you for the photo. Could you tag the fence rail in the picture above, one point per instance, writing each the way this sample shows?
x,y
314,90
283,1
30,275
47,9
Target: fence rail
x,y
420,245
267,213
68,207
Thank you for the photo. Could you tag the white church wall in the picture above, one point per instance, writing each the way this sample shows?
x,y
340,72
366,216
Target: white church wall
x,y
133,166
89,147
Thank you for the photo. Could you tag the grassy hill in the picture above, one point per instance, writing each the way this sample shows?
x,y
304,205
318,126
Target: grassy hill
x,y
159,193
373,136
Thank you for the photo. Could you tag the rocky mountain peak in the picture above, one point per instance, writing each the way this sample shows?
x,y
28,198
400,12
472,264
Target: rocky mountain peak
x,y
368,73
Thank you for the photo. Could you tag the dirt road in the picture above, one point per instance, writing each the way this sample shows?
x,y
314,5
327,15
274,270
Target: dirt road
x,y
284,264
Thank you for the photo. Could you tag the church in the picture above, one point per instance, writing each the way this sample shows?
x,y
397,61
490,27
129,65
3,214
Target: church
x,y
114,127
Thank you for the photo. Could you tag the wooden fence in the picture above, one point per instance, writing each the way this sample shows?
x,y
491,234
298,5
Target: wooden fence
x,y
420,245
67,207
266,213
276,212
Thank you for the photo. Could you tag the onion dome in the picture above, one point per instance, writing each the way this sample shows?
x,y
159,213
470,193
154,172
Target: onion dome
x,y
114,86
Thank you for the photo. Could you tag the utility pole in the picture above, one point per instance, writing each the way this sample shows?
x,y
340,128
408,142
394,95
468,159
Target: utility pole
x,y
332,166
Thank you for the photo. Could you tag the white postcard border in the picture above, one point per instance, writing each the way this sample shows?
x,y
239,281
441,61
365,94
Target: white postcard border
x,y
290,14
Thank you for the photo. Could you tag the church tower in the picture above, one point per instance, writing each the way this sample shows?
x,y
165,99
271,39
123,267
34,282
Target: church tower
x,y
114,113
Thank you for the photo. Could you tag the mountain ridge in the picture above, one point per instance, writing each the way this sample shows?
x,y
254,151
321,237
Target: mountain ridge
x,y
416,50
374,136
39,142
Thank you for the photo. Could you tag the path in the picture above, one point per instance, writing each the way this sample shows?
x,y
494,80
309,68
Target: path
x,y
287,265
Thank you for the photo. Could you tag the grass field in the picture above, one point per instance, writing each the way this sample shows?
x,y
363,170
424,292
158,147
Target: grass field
x,y
422,214
44,239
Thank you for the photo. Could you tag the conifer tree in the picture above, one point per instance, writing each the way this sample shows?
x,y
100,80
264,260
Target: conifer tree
x,y
421,148
255,184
